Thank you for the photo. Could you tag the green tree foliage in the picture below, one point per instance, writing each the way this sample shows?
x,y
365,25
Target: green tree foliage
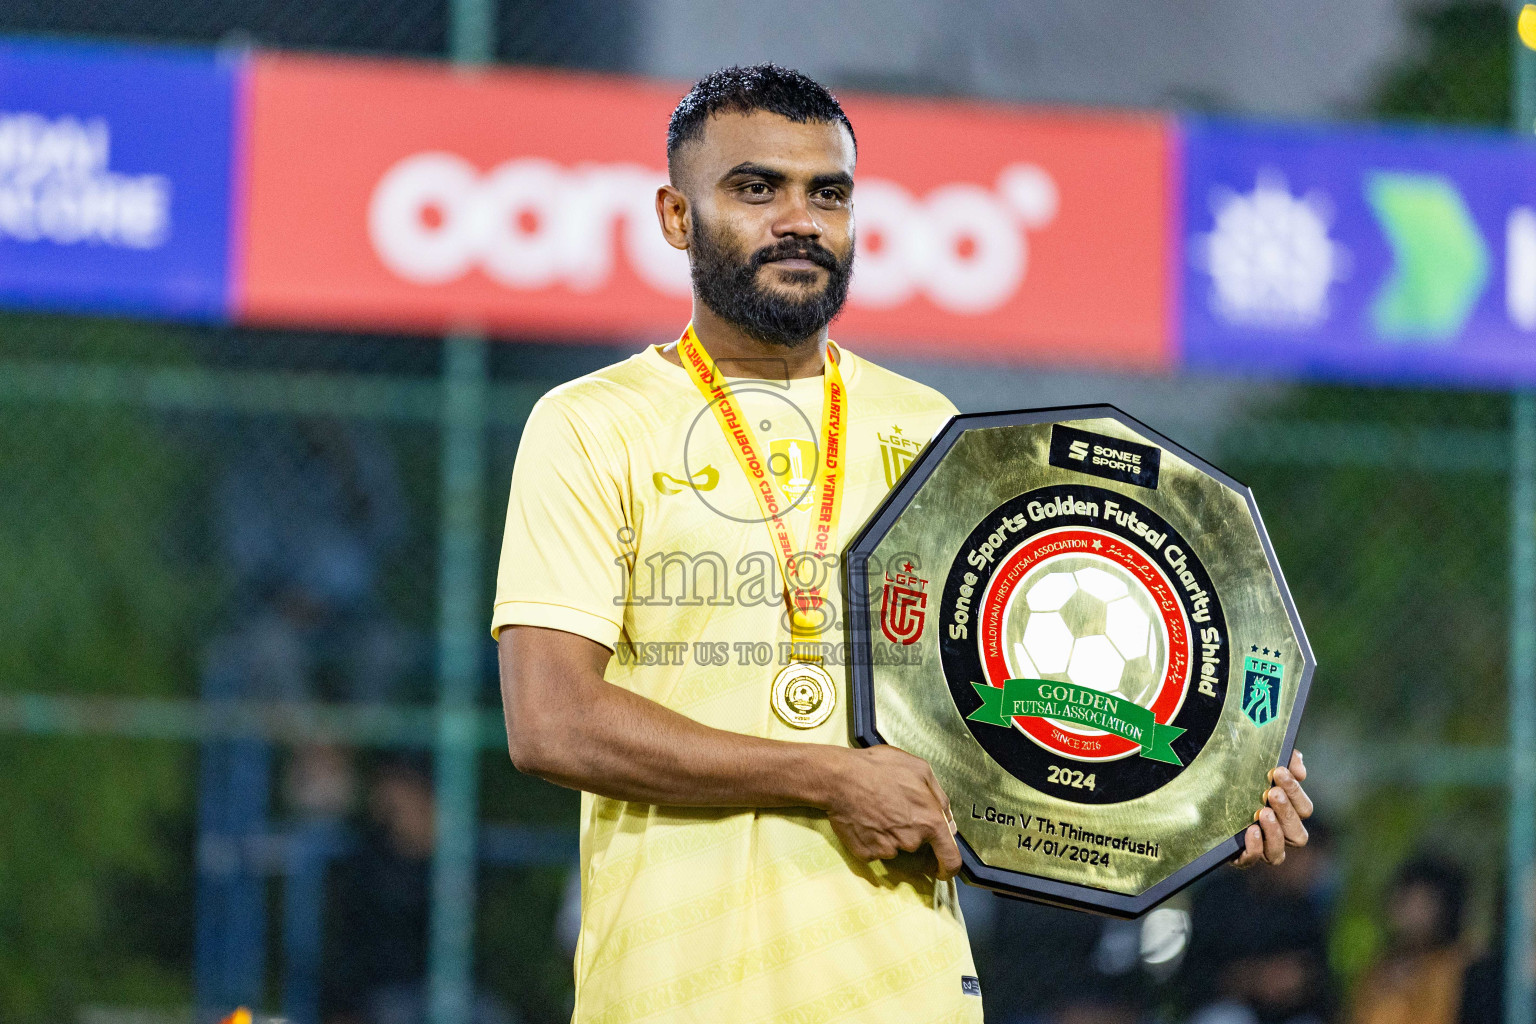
x,y
1459,71
96,604
1401,575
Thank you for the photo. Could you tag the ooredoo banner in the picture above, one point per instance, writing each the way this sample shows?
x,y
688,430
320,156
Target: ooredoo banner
x,y
385,195
115,168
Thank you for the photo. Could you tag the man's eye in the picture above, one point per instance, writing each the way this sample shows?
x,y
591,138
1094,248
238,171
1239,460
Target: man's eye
x,y
829,195
757,188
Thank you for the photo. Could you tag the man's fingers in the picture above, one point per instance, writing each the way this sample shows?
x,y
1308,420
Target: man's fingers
x,y
940,795
1274,838
1295,795
1253,848
1280,822
1290,820
947,851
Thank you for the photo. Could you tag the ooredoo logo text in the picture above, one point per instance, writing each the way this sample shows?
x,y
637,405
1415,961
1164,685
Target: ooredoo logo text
x,y
532,223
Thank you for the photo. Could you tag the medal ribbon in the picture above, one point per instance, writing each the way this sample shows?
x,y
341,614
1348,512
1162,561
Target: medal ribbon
x,y
805,603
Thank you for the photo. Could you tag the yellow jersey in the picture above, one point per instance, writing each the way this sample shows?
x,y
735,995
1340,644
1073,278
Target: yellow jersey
x,y
631,523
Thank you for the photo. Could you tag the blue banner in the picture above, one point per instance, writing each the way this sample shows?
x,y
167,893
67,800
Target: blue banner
x,y
1363,254
115,179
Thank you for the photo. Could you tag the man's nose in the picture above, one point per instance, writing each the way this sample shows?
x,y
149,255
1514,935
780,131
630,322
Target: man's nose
x,y
797,219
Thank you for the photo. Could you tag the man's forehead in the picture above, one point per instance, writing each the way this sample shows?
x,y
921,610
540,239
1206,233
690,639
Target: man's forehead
x,y
763,138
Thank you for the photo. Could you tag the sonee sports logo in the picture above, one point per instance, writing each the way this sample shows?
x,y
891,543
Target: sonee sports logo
x,y
1112,458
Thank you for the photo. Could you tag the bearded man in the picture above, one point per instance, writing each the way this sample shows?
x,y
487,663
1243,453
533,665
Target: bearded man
x,y
671,523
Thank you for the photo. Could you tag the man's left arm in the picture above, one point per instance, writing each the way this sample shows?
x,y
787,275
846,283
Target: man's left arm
x,y
1278,823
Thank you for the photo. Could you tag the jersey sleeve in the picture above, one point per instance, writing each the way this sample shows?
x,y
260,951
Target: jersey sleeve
x,y
562,564
937,409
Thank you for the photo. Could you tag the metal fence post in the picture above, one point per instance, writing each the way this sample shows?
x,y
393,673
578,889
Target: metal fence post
x,y
450,953
1519,941
1519,998
472,31
450,973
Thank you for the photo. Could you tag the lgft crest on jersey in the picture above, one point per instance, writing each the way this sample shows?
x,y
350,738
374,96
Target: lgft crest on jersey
x,y
896,453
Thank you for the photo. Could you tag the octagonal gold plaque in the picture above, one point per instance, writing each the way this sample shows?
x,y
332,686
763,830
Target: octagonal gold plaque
x,y
1083,628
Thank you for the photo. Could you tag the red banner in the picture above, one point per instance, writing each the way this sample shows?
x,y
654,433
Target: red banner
x,y
385,195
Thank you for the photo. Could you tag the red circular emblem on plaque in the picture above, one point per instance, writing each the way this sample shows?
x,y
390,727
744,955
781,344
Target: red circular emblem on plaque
x,y
1087,607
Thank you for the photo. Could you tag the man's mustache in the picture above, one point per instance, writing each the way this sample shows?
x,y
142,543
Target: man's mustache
x,y
795,250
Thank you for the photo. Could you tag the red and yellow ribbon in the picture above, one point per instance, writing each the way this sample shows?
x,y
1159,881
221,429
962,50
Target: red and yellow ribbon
x,y
806,603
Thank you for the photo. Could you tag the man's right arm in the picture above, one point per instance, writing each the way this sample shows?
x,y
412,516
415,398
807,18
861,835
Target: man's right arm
x,y
570,726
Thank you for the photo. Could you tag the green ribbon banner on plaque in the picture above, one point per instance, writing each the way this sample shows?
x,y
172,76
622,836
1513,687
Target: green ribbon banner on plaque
x,y
1078,705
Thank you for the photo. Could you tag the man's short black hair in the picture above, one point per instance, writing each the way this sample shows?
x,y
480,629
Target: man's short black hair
x,y
739,90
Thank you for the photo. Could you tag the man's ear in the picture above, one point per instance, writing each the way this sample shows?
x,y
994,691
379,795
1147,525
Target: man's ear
x,y
676,217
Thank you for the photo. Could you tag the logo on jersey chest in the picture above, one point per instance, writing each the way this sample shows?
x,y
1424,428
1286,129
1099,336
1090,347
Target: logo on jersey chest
x,y
704,480
896,453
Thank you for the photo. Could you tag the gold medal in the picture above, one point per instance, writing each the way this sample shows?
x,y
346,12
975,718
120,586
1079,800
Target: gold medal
x,y
804,695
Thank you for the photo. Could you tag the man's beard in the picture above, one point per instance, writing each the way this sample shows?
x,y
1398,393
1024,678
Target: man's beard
x,y
728,285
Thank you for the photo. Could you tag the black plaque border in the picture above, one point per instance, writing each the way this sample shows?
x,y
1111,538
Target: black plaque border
x,y
856,557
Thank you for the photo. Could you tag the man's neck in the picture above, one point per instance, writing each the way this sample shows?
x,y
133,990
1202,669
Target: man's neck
x,y
738,354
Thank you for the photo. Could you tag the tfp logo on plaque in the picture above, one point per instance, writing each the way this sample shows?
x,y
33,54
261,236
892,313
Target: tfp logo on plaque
x,y
1108,641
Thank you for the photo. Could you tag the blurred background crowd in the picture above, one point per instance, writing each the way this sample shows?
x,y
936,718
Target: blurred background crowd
x,y
203,525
